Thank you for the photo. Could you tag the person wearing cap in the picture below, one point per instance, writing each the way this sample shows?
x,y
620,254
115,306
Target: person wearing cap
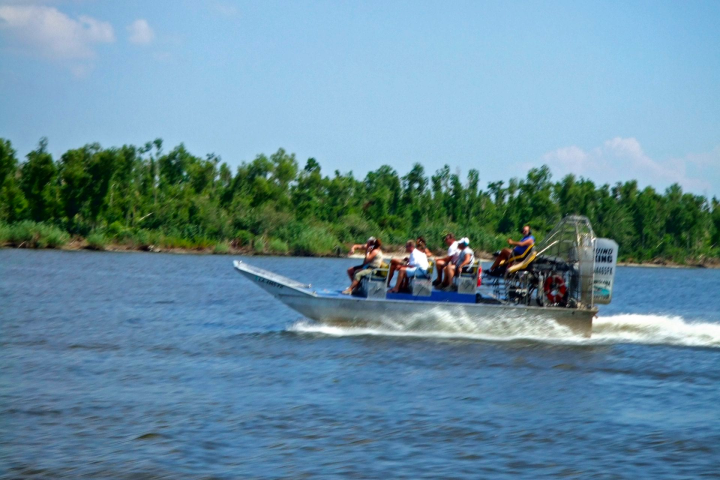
x,y
465,258
520,247
367,246
451,258
373,259
417,265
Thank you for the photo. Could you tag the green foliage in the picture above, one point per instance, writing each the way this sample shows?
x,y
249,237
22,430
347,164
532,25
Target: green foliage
x,y
173,241
221,248
277,246
31,234
38,182
243,238
116,230
97,241
259,245
5,233
143,196
52,237
314,241
141,238
352,227
12,199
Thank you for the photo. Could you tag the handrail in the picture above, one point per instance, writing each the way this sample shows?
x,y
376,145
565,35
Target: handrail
x,y
544,249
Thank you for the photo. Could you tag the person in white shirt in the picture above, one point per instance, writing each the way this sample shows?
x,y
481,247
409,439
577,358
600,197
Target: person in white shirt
x,y
451,258
465,259
397,263
417,265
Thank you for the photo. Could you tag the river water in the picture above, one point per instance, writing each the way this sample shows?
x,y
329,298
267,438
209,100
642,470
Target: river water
x,y
135,365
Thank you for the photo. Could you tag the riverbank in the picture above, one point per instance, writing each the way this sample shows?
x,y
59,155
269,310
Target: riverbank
x,y
77,244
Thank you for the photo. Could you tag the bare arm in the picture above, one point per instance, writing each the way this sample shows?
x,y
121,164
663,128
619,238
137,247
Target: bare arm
x,y
357,245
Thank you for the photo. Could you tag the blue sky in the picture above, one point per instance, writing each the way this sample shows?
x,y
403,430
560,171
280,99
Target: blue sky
x,y
607,90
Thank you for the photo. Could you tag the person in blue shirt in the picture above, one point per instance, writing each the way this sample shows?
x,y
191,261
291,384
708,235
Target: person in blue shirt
x,y
520,247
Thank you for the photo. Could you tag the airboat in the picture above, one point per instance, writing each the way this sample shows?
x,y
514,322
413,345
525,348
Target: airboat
x,y
562,280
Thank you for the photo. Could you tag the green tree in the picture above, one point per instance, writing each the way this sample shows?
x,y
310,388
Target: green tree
x,y
39,183
101,168
308,193
74,181
12,200
180,198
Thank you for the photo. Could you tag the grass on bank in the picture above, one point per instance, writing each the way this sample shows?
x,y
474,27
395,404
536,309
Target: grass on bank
x,y
97,241
221,248
291,239
28,234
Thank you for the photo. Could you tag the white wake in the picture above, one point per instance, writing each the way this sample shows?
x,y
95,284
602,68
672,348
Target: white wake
x,y
656,329
621,328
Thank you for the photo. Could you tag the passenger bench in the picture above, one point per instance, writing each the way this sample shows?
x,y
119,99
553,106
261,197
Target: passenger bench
x,y
375,284
422,286
466,281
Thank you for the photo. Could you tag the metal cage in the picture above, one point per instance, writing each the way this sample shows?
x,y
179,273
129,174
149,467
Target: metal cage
x,y
572,244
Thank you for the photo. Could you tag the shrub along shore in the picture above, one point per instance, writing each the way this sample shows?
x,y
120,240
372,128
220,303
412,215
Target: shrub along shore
x,y
146,198
40,236
28,234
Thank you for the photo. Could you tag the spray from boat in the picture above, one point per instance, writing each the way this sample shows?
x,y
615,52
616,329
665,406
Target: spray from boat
x,y
614,329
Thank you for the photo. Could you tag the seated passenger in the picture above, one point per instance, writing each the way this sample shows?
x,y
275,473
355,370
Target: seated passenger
x,y
451,257
421,245
465,259
373,259
368,246
520,247
417,265
396,263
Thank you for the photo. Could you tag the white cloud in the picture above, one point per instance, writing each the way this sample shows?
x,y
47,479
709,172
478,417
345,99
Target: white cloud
x,y
140,32
621,159
50,33
569,158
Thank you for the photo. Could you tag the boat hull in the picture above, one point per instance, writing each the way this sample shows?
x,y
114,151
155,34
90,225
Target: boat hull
x,y
362,312
331,307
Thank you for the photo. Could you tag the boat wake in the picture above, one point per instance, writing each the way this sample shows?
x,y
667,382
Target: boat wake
x,y
655,329
621,328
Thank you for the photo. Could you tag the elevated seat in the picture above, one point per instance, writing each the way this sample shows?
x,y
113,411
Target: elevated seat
x,y
520,257
466,280
375,284
381,272
516,267
515,263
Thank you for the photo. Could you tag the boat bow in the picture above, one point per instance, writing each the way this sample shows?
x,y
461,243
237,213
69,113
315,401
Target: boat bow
x,y
271,282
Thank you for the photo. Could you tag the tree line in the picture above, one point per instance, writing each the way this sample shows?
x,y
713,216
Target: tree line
x,y
273,204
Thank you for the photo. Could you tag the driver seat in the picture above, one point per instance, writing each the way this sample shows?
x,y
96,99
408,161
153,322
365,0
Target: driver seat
x,y
515,263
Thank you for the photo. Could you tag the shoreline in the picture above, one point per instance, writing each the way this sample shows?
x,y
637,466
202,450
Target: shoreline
x,y
78,245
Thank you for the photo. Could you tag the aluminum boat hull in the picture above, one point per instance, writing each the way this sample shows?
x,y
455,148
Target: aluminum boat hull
x,y
331,307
